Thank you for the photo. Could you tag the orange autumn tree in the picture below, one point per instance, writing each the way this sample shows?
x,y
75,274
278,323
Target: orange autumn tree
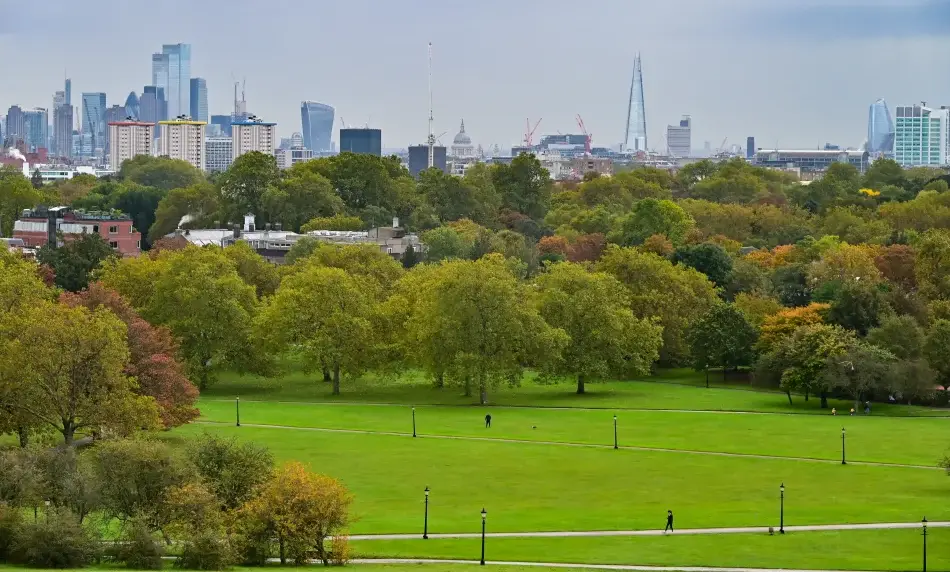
x,y
782,324
300,511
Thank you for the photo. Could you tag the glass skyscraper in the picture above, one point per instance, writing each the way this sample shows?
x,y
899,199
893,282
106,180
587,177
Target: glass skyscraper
x,y
36,122
152,105
880,130
199,99
317,122
635,138
132,107
94,118
922,136
171,70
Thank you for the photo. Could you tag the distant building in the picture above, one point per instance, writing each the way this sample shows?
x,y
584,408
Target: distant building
x,y
880,130
171,70
183,139
153,107
419,159
287,158
750,148
38,227
361,141
36,122
253,135
580,166
679,138
63,130
635,139
223,122
217,154
114,114
94,120
317,122
810,160
199,99
130,139
132,107
462,147
296,139
922,136
15,131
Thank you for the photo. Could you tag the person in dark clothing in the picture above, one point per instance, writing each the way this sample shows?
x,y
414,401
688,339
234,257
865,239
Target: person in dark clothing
x,y
669,521
488,421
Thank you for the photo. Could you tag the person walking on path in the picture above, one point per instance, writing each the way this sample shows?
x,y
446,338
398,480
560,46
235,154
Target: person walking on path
x,y
867,407
669,521
488,421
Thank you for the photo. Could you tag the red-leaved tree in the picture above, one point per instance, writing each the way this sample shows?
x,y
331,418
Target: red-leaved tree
x,y
152,352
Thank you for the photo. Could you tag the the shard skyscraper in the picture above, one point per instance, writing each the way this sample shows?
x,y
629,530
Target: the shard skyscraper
x,y
635,138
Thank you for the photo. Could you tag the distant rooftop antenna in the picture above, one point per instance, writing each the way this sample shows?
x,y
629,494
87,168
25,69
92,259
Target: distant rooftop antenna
x,y
431,140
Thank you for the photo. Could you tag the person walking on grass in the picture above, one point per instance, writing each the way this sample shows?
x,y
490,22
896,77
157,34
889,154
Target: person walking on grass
x,y
669,522
488,421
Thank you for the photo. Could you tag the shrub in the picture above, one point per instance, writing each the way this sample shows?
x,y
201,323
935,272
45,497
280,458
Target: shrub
x,y
206,552
57,541
340,550
138,548
10,522
231,470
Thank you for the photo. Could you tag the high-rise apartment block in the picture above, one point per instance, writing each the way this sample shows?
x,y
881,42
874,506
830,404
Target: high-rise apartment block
x,y
253,135
679,138
922,136
217,154
183,139
199,99
129,139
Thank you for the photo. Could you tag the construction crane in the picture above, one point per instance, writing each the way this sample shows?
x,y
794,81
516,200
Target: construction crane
x,y
587,137
529,132
430,141
722,146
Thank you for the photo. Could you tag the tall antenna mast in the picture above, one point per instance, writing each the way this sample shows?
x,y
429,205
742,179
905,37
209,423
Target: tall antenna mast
x,y
431,140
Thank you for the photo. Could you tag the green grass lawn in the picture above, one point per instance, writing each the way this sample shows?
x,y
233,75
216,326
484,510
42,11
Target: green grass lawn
x,y
840,550
530,487
918,441
361,567
669,389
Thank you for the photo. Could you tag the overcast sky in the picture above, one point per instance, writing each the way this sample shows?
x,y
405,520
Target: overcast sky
x,y
796,73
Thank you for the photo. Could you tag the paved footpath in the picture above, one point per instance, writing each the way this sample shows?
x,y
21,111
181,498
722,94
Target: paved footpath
x,y
586,566
683,531
587,445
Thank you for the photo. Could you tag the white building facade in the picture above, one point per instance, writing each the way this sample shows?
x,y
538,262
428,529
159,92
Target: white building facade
x,y
287,158
217,154
183,139
922,136
253,135
130,139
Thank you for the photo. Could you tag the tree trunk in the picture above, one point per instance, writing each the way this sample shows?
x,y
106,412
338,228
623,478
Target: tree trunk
x,y
723,373
806,395
336,380
482,391
580,385
824,399
468,387
789,394
440,380
326,375
24,434
69,432
283,555
707,377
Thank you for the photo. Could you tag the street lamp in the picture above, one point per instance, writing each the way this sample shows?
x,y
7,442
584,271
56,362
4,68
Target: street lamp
x,y
414,425
237,410
46,502
924,523
843,461
615,432
781,518
484,516
425,526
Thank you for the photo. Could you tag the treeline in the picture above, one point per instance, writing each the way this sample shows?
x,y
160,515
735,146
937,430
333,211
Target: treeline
x,y
131,503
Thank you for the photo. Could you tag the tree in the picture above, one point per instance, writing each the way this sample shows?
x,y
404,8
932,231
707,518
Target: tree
x,y
410,258
253,269
37,179
779,326
152,356
652,216
798,362
676,296
844,264
300,510
364,180
324,315
230,469
71,364
75,260
605,337
450,196
335,222
935,350
722,338
791,286
159,172
525,186
896,263
710,259
900,335
445,243
756,307
246,182
933,264
199,202
358,260
16,194
859,369
857,307
587,248
301,196
884,172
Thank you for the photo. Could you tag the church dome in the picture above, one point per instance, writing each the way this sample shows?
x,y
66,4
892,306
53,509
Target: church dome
x,y
462,139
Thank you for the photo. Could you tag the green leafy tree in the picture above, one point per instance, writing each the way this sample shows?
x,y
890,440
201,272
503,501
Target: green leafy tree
x,y
360,260
335,222
445,243
710,259
365,181
229,468
525,186
900,335
933,264
791,286
247,181
606,339
652,216
860,369
857,307
300,196
16,194
798,362
722,338
884,172
159,173
76,260
253,269
935,350
201,202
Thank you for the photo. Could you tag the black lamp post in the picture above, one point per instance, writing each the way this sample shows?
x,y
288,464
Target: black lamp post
x,y
237,410
414,425
425,525
924,523
615,432
781,514
843,461
484,516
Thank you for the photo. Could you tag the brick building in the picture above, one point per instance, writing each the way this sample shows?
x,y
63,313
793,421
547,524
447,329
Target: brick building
x,y
36,228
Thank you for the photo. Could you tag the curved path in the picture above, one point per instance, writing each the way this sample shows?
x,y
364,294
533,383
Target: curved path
x,y
570,444
585,566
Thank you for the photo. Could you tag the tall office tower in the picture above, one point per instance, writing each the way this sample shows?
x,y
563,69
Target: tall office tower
x,y
217,154
153,106
16,126
419,159
679,138
183,139
128,139
750,148
317,123
94,120
635,138
880,130
922,136
68,91
132,106
171,70
253,135
223,122
36,124
363,141
114,114
198,99
63,130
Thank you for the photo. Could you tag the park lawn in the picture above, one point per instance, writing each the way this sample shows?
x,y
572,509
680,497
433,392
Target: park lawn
x,y
536,487
669,389
368,567
917,441
834,550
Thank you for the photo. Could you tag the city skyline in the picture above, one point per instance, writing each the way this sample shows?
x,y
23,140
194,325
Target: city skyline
x,y
765,71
